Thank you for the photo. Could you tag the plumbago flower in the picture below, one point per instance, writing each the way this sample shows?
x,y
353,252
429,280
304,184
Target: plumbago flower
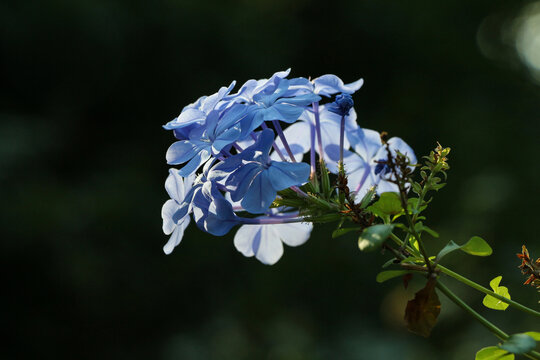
x,y
239,167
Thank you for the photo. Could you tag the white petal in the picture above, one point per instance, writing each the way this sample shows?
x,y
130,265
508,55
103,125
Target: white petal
x,y
298,138
396,143
176,236
366,143
167,211
244,238
294,234
175,186
270,248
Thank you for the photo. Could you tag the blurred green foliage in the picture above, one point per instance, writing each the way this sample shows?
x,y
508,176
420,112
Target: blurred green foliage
x,y
85,88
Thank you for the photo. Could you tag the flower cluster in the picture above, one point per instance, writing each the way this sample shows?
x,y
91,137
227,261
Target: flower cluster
x,y
237,161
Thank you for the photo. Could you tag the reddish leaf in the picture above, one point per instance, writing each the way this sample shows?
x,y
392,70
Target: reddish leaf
x,y
406,279
422,311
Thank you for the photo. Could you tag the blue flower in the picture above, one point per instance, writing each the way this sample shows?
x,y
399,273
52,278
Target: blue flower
x,y
328,85
265,242
254,178
174,220
196,113
365,165
218,131
252,87
211,211
277,101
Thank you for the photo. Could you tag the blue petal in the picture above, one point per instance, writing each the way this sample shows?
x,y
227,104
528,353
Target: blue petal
x,y
300,100
260,194
329,84
195,162
265,141
187,117
285,112
240,181
366,143
253,119
210,102
181,151
175,186
283,175
211,122
221,217
183,133
225,138
231,117
186,205
200,204
223,169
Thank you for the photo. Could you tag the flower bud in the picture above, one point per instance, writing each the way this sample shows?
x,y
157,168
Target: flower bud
x,y
342,104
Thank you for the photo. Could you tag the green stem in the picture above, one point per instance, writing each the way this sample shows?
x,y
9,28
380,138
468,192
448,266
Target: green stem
x,y
410,221
487,291
482,320
421,197
501,335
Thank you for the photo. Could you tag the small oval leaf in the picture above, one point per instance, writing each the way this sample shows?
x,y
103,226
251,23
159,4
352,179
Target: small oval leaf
x,y
451,246
534,334
390,274
493,353
373,237
518,344
389,203
492,302
477,246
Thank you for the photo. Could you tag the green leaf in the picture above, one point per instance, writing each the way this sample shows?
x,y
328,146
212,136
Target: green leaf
x,y
325,179
477,246
431,232
373,237
420,227
414,243
413,204
494,303
518,344
390,274
341,232
451,246
534,334
368,197
493,353
392,261
389,203
377,212
412,259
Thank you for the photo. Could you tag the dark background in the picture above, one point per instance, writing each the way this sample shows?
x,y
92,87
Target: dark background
x,y
85,88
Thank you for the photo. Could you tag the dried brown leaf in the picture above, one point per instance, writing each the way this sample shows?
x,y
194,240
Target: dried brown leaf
x,y
422,311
